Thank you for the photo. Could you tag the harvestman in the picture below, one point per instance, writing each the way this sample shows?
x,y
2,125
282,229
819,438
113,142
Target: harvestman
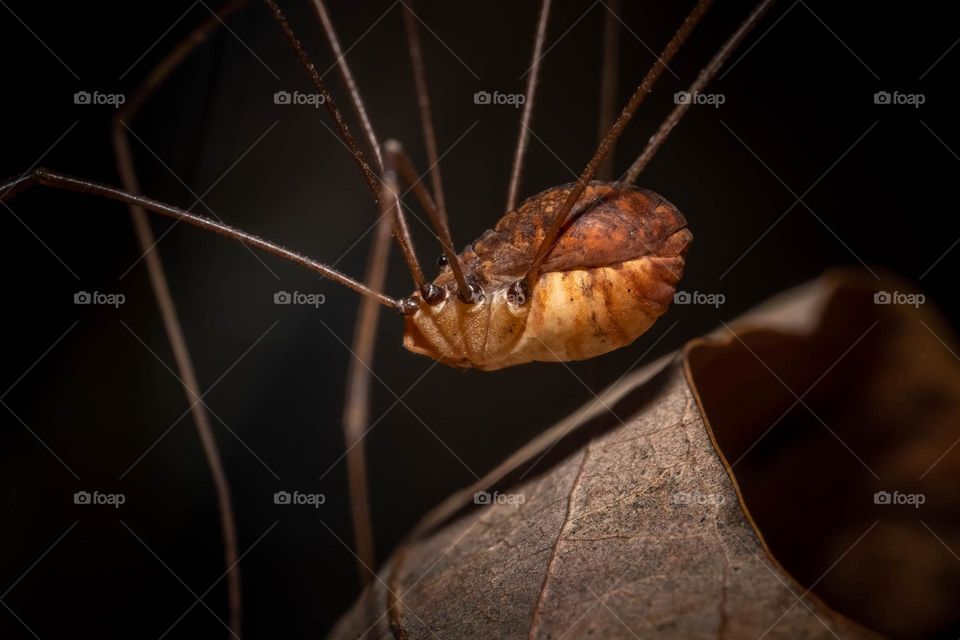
x,y
573,272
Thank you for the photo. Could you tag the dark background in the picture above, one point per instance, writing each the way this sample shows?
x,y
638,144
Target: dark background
x,y
101,402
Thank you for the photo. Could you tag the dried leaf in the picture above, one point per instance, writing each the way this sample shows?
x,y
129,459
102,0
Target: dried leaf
x,y
626,520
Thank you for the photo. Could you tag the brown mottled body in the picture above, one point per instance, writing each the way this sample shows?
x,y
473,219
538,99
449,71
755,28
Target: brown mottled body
x,y
609,276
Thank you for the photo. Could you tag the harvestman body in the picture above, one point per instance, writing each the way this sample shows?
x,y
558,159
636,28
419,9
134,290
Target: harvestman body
x,y
571,273
608,277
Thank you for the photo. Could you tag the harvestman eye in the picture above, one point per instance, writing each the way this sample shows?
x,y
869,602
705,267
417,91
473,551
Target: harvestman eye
x,y
568,274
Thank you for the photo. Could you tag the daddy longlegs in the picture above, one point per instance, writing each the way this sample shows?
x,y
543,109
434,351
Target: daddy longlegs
x,y
572,272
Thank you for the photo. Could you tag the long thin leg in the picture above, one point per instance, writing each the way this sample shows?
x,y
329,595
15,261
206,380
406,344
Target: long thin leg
x,y
527,115
401,231
608,82
41,176
357,403
159,74
607,113
610,139
356,414
707,74
426,115
348,80
396,160
168,309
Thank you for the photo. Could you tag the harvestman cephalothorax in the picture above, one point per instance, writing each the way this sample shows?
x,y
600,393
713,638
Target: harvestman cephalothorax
x,y
568,274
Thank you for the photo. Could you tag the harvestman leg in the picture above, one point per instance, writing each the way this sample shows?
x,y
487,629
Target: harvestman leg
x,y
367,322
646,85
352,88
391,161
357,402
369,310
358,377
356,408
426,114
168,309
160,285
701,81
45,177
641,92
401,231
398,163
524,136
607,113
436,209
356,413
608,82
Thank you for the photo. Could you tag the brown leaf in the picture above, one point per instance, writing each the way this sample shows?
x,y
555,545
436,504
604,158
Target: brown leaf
x,y
626,519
